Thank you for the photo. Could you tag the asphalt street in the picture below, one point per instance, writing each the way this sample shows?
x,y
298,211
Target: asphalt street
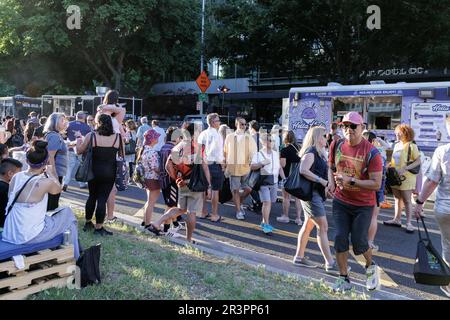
x,y
396,254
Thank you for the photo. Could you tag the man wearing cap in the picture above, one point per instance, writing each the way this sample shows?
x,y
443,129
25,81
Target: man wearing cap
x,y
75,128
141,130
355,175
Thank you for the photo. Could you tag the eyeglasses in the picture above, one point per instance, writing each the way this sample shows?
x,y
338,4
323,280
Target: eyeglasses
x,y
350,125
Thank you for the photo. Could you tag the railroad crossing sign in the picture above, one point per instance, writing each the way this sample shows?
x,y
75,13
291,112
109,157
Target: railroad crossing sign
x,y
203,82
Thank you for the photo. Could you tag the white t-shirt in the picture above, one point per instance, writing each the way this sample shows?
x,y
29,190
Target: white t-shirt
x,y
273,167
439,171
213,143
161,139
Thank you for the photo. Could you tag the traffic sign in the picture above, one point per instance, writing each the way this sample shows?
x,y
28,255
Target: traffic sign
x,y
203,97
199,105
203,82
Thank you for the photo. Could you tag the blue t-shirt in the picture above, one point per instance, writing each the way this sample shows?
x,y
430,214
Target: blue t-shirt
x,y
141,130
75,126
56,143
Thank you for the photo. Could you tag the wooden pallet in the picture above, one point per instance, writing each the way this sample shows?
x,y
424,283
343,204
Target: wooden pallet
x,y
43,269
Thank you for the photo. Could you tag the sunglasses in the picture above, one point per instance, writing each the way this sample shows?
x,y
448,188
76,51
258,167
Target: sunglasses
x,y
350,125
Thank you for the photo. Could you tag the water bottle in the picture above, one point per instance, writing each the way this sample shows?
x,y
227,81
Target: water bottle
x,y
67,238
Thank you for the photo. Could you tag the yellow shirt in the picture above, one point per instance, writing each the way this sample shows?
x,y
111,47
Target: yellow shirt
x,y
239,149
400,159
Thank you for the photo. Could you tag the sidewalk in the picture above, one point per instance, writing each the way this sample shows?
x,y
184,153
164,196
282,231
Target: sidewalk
x,y
269,262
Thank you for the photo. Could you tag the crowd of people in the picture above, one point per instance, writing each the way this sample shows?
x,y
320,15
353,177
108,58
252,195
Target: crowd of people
x,y
189,166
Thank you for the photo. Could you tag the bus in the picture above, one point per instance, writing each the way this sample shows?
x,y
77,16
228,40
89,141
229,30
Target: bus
x,y
423,106
19,106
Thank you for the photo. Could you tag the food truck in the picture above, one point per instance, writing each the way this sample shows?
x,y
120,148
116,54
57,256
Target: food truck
x,y
19,106
424,106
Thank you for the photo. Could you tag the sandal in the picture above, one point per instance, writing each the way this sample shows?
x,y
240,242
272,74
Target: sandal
x,y
113,220
392,223
205,217
151,228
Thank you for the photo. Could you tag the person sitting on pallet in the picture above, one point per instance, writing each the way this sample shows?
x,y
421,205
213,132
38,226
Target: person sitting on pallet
x,y
27,221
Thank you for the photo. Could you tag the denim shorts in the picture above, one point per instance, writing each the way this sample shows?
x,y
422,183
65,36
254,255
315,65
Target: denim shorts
x,y
314,208
351,220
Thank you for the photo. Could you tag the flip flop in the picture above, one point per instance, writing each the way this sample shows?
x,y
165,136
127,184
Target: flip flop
x,y
218,220
205,217
392,223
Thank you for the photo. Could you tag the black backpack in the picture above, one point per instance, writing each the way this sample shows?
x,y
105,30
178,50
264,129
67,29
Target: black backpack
x,y
89,264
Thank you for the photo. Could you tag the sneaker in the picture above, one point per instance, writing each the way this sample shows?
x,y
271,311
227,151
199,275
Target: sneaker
x,y
283,219
446,290
266,229
88,226
386,205
176,229
298,222
172,233
103,232
242,209
373,277
240,216
182,225
342,285
304,262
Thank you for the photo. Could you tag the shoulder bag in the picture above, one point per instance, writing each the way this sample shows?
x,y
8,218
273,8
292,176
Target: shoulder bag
x,y
416,169
84,172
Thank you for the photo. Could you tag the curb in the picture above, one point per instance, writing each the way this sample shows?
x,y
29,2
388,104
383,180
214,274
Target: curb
x,y
269,262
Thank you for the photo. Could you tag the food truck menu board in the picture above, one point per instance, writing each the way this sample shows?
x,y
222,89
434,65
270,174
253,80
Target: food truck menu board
x,y
429,122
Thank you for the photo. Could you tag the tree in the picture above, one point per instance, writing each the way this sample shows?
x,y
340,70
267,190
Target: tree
x,y
329,38
126,44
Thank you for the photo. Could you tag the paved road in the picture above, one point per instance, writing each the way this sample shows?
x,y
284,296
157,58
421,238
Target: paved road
x,y
395,257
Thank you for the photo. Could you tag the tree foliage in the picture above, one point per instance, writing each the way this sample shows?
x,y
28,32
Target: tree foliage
x,y
125,44
329,37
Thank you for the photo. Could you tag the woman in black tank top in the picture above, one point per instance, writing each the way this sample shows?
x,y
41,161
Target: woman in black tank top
x,y
104,170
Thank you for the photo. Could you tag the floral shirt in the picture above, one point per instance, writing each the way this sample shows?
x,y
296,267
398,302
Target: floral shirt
x,y
150,161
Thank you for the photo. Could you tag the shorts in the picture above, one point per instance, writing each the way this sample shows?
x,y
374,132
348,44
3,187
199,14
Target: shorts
x,y
351,220
314,208
217,177
170,195
268,193
190,201
152,184
236,183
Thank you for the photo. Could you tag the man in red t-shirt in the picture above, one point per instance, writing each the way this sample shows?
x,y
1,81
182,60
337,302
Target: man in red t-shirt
x,y
355,175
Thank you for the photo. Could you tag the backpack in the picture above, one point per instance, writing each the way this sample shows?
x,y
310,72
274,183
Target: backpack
x,y
337,151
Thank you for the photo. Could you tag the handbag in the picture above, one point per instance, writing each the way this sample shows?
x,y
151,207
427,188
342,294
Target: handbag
x,y
393,178
297,185
198,181
84,172
416,169
225,194
256,180
121,169
89,264
429,268
130,147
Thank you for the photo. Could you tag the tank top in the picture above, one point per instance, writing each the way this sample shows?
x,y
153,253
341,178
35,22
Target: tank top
x,y
104,161
25,220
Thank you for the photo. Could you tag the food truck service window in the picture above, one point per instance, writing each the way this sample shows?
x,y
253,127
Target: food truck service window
x,y
343,105
383,113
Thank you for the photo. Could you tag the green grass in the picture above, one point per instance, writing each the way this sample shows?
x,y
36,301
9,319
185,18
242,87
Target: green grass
x,y
136,266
